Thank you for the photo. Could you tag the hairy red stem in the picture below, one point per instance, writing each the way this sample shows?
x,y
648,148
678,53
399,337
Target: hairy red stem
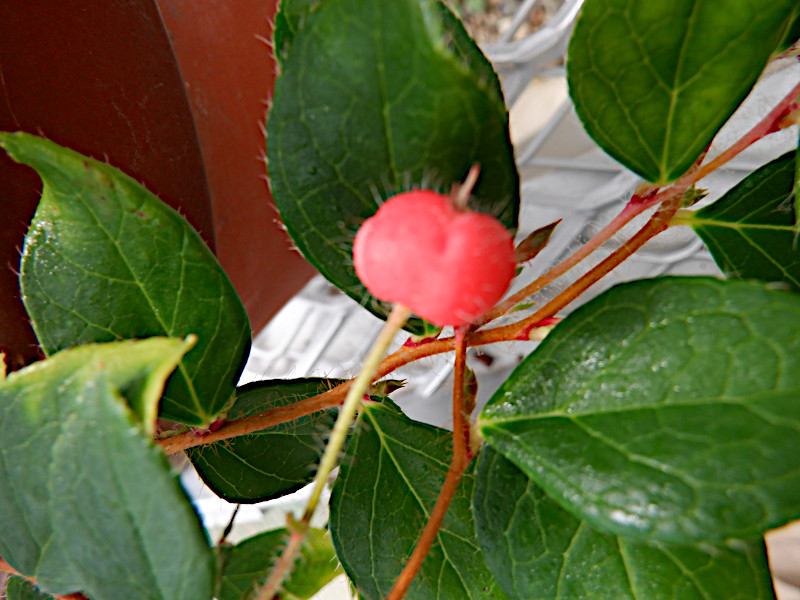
x,y
631,210
283,566
647,197
253,423
458,464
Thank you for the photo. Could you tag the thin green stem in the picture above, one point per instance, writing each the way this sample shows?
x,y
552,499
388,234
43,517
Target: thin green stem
x,y
330,457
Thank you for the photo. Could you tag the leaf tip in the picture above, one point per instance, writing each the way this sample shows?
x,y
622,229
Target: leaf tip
x,y
189,342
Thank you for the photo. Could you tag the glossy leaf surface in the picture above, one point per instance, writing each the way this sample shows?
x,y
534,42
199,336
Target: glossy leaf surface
x,y
387,485
87,502
664,409
104,259
247,565
374,98
654,81
751,230
272,462
536,549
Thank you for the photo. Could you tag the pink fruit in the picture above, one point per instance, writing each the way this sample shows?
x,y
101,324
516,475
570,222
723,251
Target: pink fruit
x,y
447,265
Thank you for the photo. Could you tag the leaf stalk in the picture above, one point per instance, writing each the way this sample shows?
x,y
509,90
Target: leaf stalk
x,y
458,465
330,457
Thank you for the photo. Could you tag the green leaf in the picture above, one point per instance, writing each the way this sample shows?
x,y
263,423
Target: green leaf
x,y
272,462
664,409
751,230
536,549
87,502
374,98
105,259
792,33
247,565
654,81
289,20
796,188
19,589
387,486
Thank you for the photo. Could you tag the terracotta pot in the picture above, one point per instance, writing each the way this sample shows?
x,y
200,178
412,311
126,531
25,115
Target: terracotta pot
x,y
170,91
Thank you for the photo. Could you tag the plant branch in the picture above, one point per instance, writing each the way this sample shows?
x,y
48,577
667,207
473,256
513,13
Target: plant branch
x,y
657,223
647,197
458,464
519,331
284,565
631,210
330,458
271,418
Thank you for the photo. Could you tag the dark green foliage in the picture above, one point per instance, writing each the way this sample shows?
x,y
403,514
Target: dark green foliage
x,y
105,260
386,488
751,230
654,81
663,409
536,549
374,98
272,462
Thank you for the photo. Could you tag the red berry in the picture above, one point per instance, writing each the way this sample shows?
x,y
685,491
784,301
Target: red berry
x,y
447,265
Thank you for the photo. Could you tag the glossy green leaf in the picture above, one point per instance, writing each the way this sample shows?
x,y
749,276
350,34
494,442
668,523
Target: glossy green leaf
x,y
87,502
654,81
536,549
19,589
376,97
105,259
387,486
247,565
272,462
751,230
664,409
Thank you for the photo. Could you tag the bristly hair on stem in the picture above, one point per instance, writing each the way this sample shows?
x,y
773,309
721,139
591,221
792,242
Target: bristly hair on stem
x,y
458,465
